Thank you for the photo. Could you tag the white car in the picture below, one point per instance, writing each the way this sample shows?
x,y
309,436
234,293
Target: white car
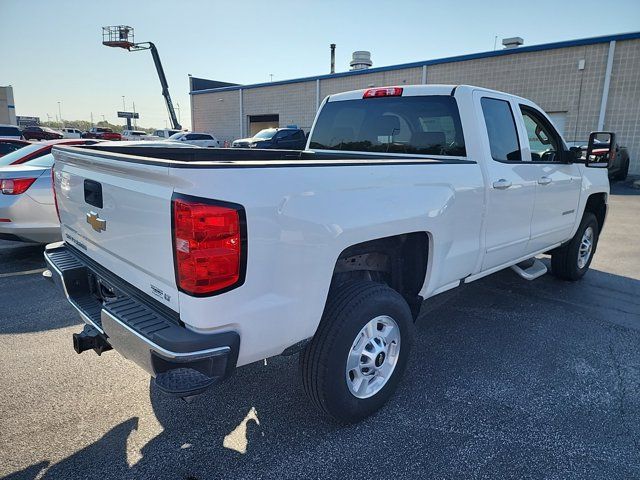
x,y
27,208
10,131
196,138
194,262
166,133
71,133
137,135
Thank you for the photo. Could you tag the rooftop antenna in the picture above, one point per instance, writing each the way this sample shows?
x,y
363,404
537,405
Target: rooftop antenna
x,y
122,36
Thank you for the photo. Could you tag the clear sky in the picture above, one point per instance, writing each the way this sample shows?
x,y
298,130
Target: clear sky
x,y
51,51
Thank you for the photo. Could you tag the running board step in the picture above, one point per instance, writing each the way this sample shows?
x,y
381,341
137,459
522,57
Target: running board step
x,y
184,382
530,269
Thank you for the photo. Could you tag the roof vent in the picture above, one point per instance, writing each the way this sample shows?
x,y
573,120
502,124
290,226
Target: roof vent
x,y
513,42
361,60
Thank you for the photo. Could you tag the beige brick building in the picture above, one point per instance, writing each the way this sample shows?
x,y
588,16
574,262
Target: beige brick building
x,y
585,85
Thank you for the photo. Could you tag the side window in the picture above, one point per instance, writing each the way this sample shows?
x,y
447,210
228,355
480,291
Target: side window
x,y
284,135
501,128
298,135
542,139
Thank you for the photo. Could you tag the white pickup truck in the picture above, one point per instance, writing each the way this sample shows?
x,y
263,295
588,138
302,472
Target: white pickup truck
x,y
192,262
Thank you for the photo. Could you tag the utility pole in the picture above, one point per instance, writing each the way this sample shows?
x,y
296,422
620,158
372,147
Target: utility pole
x,y
92,119
60,111
124,108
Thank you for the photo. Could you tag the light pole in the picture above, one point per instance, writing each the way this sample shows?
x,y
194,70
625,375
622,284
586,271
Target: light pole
x,y
60,111
124,108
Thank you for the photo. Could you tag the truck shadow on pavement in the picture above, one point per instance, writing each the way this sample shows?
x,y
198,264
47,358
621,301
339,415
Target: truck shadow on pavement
x,y
510,378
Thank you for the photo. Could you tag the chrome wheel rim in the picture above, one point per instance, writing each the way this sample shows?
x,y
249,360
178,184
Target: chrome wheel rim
x,y
586,247
373,356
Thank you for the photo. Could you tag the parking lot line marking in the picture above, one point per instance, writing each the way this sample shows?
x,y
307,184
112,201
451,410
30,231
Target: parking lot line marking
x,y
26,272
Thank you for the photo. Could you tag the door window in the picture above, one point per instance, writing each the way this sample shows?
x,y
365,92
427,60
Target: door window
x,y
501,128
543,140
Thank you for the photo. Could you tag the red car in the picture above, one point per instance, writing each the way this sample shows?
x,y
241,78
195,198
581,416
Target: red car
x,y
38,149
40,133
102,133
8,145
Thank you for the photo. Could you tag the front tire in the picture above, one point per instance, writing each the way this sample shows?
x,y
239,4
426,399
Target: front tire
x,y
355,360
624,171
571,261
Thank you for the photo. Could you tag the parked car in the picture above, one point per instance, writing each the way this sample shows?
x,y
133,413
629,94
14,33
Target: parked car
x,y
166,133
27,206
196,138
27,209
11,132
102,133
153,144
8,145
619,165
194,264
281,138
137,135
40,133
71,133
35,150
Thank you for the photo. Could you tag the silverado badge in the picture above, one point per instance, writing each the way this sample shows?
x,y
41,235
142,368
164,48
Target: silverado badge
x,y
96,222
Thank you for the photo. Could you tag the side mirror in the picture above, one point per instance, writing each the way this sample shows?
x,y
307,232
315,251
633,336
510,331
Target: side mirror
x,y
601,149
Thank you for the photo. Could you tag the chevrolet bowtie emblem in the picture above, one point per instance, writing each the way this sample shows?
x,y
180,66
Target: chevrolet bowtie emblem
x,y
96,222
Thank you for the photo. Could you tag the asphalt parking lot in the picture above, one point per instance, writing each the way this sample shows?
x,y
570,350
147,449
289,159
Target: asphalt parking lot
x,y
509,379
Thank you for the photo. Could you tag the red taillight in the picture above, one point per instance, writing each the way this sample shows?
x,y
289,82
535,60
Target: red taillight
x,y
208,246
55,197
15,186
383,92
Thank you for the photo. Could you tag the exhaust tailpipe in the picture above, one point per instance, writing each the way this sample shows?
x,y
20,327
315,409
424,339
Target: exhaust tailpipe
x,y
90,339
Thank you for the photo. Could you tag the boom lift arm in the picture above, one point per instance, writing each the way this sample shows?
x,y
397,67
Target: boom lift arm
x,y
163,80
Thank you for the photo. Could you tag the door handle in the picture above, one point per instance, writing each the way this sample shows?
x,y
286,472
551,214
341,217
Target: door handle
x,y
502,184
544,181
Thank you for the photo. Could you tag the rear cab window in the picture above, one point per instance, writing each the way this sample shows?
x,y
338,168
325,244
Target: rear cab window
x,y
417,125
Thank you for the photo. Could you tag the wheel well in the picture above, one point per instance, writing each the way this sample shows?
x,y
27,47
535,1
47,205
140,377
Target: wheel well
x,y
399,261
597,205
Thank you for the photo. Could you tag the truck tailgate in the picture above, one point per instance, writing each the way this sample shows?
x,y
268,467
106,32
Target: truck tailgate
x,y
119,214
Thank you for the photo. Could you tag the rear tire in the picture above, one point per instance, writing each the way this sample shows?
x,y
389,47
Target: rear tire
x,y
357,356
571,261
